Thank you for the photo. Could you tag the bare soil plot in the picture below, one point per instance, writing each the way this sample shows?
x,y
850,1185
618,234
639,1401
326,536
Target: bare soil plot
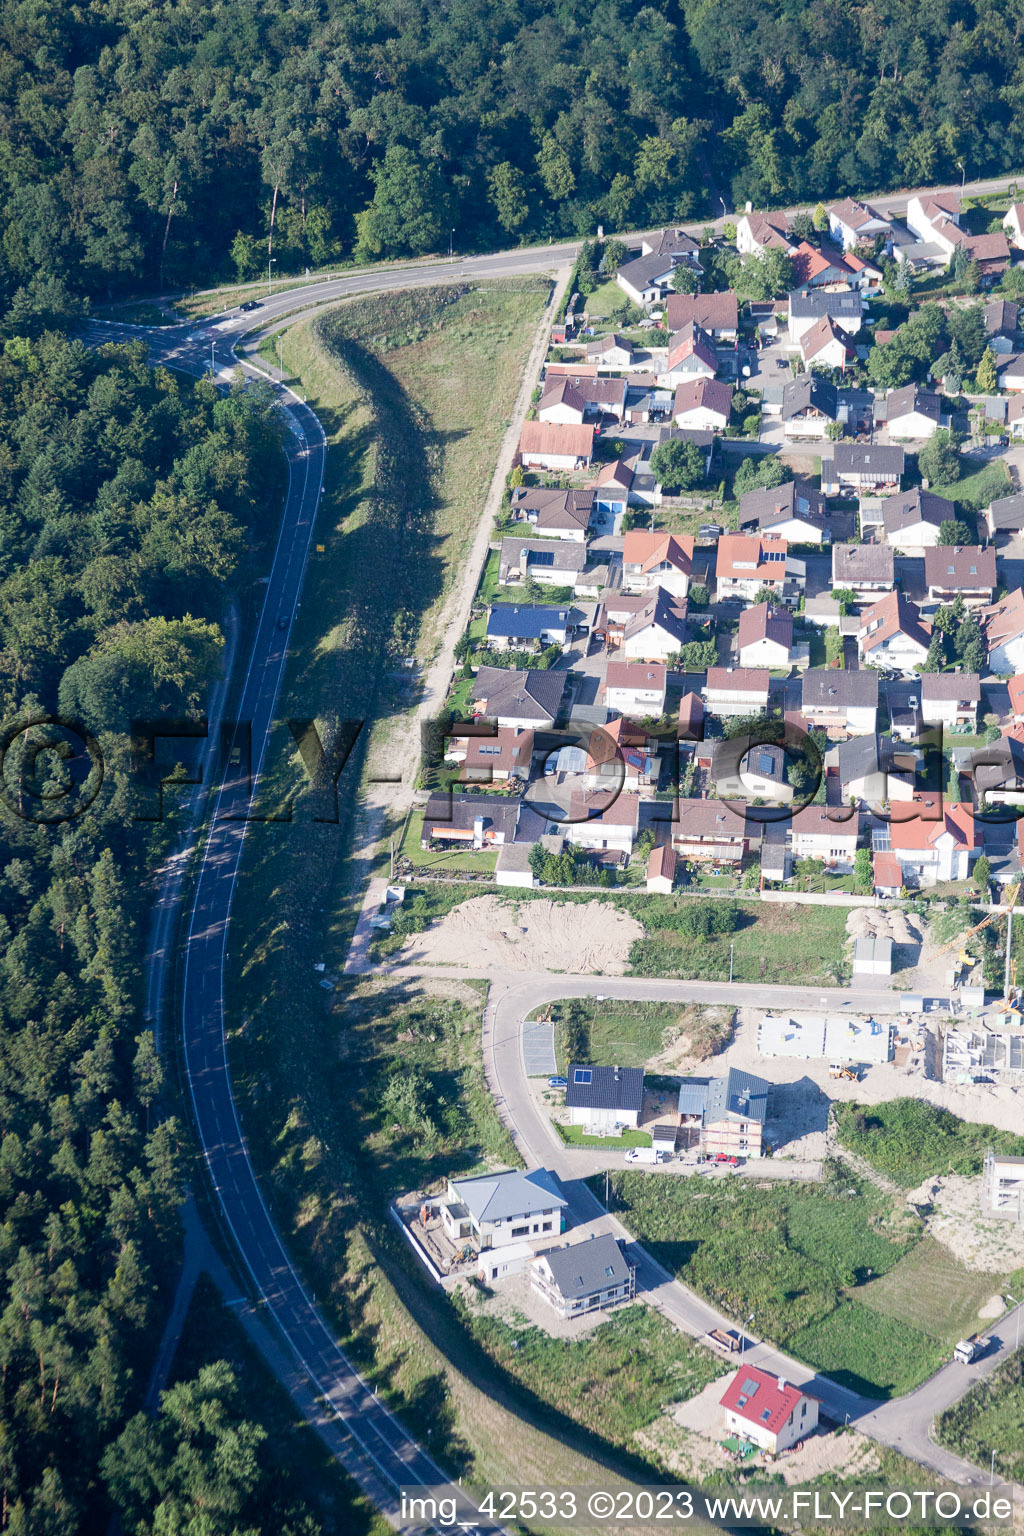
x,y
491,934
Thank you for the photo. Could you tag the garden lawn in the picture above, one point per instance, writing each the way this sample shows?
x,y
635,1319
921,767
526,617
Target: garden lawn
x,y
931,1290
797,1256
573,1136
771,945
429,860
623,1033
980,483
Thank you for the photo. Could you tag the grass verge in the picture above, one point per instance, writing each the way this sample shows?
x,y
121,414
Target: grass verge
x,y
990,1419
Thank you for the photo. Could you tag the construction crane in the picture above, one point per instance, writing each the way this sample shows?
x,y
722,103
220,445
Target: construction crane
x,y
1009,978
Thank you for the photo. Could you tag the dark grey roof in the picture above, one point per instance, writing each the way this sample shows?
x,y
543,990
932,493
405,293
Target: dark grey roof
x,y
810,391
520,695
527,620
593,1087
738,1094
901,402
663,609
835,687
916,506
812,303
647,271
1000,762
866,458
585,1268
461,811
864,754
1007,513
567,555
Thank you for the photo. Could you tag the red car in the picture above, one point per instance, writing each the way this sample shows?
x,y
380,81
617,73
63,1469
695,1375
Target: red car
x,y
723,1157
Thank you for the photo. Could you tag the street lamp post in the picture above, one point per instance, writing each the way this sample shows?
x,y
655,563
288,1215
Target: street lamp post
x,y
1017,1304
963,173
732,947
743,1336
451,245
271,262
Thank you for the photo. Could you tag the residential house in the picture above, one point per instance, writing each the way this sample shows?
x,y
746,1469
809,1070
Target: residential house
x,y
647,279
872,770
612,490
736,691
702,403
518,698
997,770
810,405
604,1101
1015,688
837,700
636,687
1010,372
795,511
620,754
528,626
492,759
911,414
807,306
561,401
893,635
826,344
716,313
676,244
826,833
1015,416
471,821
936,845
865,276
746,562
661,870
733,1114
1002,625
757,232
552,562
950,699
657,560
496,1210
602,820
820,268
934,218
657,630
555,445
585,1277
765,637
611,351
962,570
913,519
1006,514
768,1410
861,469
760,773
865,569
992,253
853,224
557,514
710,831
1013,225
600,396
691,718
646,488
691,355
1002,318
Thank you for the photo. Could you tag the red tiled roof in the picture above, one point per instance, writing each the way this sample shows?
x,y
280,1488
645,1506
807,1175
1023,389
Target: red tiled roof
x,y
919,833
745,555
887,870
739,679
1016,691
765,1400
712,394
556,437
649,550
662,862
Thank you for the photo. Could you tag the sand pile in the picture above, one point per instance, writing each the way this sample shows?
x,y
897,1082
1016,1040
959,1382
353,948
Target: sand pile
x,y
870,923
489,934
988,1245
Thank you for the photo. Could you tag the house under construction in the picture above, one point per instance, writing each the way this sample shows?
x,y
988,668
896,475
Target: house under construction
x,y
1002,1187
973,1055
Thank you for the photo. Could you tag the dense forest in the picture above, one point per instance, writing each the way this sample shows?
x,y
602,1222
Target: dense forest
x,y
127,498
168,142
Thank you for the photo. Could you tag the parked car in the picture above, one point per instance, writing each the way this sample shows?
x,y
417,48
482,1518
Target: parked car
x,y
558,1082
723,1157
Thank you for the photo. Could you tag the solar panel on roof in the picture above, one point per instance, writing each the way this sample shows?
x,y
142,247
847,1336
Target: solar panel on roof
x,y
750,1386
